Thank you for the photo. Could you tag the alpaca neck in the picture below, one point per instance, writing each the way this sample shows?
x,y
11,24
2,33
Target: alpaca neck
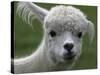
x,y
40,59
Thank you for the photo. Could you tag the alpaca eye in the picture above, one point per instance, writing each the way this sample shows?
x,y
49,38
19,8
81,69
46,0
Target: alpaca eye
x,y
52,33
79,34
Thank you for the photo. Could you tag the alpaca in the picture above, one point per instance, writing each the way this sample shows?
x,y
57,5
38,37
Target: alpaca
x,y
64,27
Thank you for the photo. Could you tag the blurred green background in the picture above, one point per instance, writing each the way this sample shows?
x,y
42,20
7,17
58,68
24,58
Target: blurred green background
x,y
27,38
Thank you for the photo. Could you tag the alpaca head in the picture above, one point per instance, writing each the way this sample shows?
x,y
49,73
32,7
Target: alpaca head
x,y
64,28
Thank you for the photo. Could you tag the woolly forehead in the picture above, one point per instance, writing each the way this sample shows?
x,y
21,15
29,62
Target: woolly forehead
x,y
67,18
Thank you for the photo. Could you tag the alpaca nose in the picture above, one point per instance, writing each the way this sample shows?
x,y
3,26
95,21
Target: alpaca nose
x,y
68,46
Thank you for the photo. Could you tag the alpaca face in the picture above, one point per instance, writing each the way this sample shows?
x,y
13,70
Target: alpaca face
x,y
64,36
62,43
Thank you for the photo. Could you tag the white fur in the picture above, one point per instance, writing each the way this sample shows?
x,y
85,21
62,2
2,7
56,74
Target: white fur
x,y
67,22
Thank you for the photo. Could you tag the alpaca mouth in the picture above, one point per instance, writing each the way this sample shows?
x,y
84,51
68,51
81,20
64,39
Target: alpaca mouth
x,y
69,57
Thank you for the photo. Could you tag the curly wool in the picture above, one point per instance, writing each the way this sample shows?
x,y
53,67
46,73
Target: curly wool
x,y
66,18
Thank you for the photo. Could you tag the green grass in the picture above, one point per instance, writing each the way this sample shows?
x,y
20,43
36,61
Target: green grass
x,y
27,38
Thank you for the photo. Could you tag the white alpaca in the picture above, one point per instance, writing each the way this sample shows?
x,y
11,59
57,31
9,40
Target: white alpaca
x,y
64,27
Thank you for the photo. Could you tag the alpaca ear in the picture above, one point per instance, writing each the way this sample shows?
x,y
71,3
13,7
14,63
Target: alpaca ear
x,y
28,11
90,30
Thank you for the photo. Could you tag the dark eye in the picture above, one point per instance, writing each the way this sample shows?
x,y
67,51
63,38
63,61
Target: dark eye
x,y
79,34
52,33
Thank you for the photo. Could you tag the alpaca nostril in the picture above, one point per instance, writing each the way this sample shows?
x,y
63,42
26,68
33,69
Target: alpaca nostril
x,y
68,46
